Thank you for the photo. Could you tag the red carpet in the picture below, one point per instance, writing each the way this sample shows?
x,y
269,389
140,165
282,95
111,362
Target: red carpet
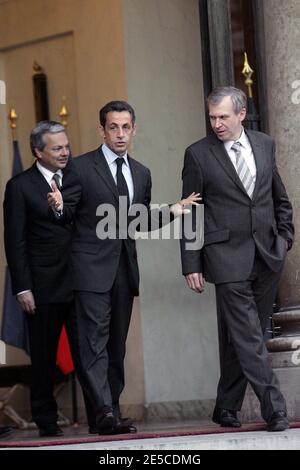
x,y
16,441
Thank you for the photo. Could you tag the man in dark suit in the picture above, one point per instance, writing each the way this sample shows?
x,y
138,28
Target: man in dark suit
x,y
105,271
37,250
247,230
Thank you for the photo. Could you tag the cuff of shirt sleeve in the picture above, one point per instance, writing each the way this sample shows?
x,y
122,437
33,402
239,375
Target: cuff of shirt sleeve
x,y
23,292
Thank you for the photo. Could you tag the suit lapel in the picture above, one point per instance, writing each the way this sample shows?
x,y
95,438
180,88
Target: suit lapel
x,y
221,155
135,178
104,172
259,159
39,181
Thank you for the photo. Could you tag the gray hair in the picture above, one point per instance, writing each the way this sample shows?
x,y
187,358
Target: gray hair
x,y
238,97
42,128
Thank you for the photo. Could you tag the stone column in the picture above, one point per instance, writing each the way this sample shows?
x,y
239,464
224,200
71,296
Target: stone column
x,y
220,46
282,57
282,41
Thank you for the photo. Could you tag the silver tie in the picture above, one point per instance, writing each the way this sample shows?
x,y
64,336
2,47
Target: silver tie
x,y
243,170
57,180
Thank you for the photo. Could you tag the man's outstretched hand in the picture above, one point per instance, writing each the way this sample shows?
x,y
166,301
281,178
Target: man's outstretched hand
x,y
179,208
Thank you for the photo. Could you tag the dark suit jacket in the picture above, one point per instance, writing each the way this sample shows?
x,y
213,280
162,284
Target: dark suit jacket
x,y
95,261
234,225
37,248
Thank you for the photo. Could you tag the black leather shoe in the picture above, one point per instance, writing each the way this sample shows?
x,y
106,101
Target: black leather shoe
x,y
106,423
125,426
226,418
5,431
278,422
93,430
51,430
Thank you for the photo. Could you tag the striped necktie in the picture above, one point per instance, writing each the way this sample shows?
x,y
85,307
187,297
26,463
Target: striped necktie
x,y
56,178
243,170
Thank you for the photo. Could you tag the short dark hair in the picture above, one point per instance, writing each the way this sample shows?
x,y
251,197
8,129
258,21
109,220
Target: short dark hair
x,y
42,128
238,97
117,106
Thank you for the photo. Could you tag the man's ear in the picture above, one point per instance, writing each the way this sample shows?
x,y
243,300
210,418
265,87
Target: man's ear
x,y
102,132
38,154
134,129
243,113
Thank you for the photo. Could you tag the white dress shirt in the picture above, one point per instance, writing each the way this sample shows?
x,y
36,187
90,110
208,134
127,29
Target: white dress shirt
x,y
246,151
110,157
48,175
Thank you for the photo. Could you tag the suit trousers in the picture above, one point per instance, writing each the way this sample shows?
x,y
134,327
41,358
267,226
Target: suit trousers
x,y
243,309
100,323
44,332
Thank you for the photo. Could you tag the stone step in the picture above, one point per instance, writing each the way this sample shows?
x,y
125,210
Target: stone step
x,y
259,440
286,322
286,316
283,343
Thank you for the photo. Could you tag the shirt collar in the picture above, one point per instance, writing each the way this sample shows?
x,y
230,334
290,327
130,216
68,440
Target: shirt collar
x,y
47,174
111,156
242,140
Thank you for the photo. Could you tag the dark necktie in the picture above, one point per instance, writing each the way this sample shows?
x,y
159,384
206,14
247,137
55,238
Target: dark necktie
x,y
243,170
56,178
121,182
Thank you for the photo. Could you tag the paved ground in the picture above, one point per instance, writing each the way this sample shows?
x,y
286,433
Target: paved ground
x,y
167,437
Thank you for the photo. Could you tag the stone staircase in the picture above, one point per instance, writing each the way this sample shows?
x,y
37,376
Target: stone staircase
x,y
284,349
286,330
